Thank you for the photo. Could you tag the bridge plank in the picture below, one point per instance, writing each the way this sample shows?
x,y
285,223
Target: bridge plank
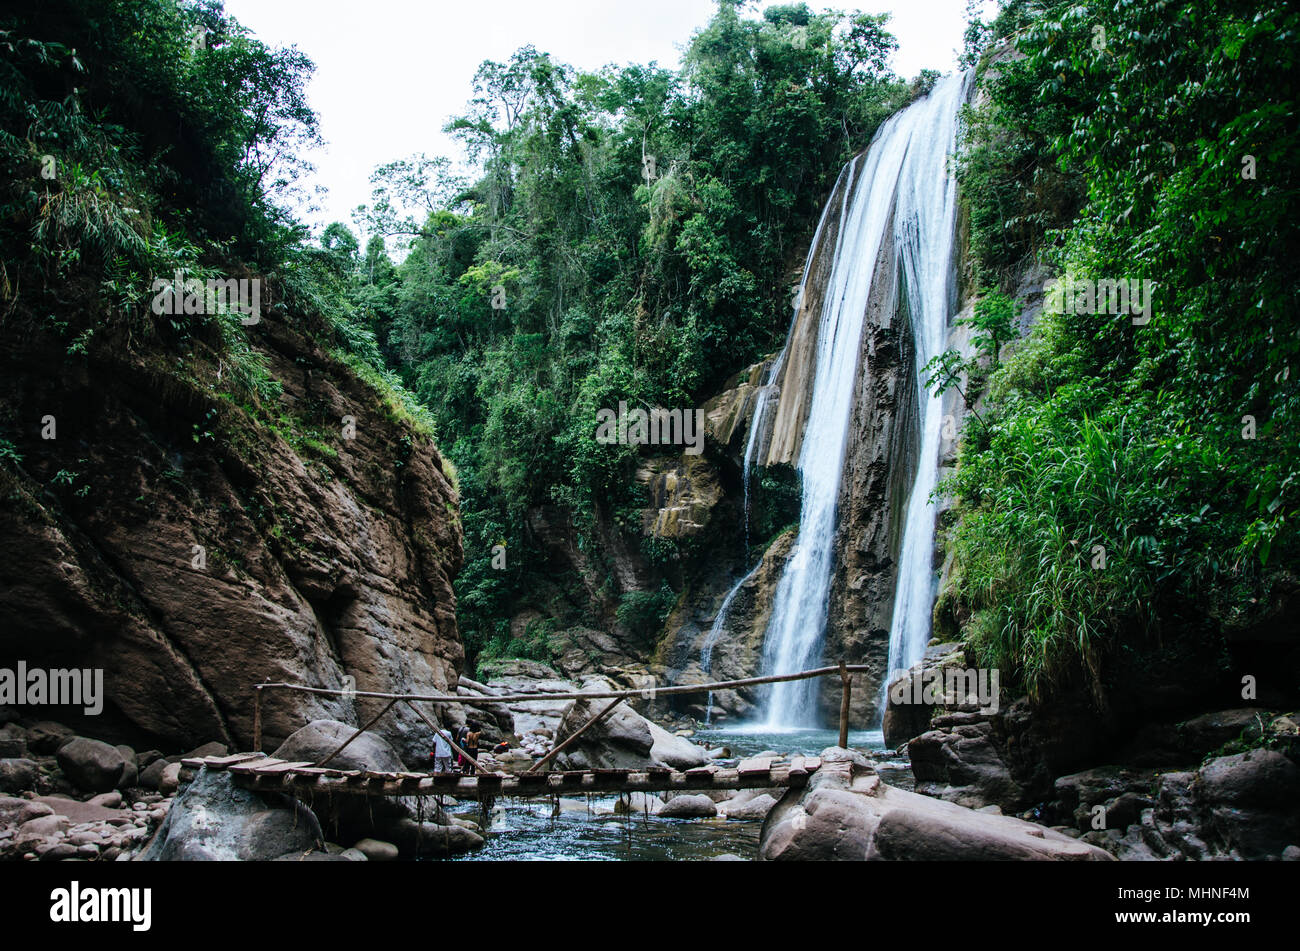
x,y
759,764
221,762
253,766
280,767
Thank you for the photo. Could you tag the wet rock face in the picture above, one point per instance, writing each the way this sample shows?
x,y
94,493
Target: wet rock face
x,y
907,719
738,650
879,466
683,491
211,549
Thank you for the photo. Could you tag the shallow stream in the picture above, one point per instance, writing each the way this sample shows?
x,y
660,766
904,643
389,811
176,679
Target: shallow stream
x,y
588,829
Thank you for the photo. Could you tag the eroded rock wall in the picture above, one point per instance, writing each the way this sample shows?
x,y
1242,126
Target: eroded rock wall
x,y
193,543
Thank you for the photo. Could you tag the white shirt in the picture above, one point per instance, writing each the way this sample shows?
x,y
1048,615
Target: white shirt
x,y
441,748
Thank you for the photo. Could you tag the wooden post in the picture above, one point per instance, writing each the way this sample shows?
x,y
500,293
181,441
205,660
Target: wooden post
x,y
581,730
847,681
257,719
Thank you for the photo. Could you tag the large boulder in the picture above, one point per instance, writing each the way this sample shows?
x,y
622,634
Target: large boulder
x,y
40,834
12,746
750,810
320,738
1250,802
907,719
623,740
78,812
963,763
846,813
414,838
17,775
214,820
206,750
376,850
46,736
688,807
1234,807
347,818
151,776
1120,791
15,811
675,751
95,766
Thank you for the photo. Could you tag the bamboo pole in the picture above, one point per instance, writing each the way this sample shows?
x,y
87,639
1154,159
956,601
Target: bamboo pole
x,y
486,701
446,736
581,730
847,683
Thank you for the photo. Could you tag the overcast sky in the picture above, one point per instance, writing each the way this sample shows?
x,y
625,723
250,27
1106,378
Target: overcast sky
x,y
390,73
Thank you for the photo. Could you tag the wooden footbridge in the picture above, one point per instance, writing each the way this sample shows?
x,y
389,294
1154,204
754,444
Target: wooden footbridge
x,y
258,771
267,774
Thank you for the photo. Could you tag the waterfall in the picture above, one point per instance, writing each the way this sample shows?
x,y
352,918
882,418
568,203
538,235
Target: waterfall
x,y
902,176
752,439
716,630
927,251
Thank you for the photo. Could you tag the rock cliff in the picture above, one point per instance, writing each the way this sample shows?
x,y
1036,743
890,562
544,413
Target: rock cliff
x,y
193,539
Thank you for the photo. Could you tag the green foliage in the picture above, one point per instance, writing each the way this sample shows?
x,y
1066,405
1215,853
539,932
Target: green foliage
x,y
644,612
630,235
1126,159
533,644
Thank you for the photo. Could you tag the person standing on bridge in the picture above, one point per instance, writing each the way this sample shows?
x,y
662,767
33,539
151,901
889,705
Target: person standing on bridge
x,y
472,736
441,752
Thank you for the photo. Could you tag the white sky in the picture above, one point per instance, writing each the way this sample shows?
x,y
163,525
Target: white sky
x,y
390,73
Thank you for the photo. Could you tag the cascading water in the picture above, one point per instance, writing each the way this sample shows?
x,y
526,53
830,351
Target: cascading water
x,y
716,630
902,174
927,251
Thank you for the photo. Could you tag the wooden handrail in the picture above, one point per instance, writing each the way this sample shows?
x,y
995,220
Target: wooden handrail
x,y
489,700
842,669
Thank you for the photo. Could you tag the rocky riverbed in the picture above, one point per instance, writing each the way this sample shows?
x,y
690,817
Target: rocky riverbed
x,y
961,784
